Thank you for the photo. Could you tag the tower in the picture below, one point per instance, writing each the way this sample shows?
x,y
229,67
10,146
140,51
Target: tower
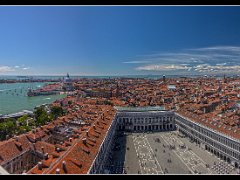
x,y
117,91
164,78
224,79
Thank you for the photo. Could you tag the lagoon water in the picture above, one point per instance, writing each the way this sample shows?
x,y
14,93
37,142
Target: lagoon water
x,y
13,97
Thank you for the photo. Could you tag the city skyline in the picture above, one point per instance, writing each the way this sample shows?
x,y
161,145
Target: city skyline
x,y
121,40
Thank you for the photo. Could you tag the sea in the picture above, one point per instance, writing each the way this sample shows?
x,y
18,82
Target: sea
x,y
13,97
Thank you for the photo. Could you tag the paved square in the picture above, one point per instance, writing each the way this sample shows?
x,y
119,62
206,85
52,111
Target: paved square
x,y
165,153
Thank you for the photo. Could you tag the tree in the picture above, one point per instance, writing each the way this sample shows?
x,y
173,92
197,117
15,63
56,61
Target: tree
x,y
8,127
23,120
31,122
56,111
21,130
41,116
38,111
2,131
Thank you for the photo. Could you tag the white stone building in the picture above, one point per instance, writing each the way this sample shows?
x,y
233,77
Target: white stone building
x,y
157,119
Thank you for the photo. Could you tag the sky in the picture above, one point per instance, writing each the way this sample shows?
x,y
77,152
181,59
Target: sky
x,y
119,40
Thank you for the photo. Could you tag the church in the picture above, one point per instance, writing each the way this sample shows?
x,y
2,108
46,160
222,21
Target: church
x,y
68,83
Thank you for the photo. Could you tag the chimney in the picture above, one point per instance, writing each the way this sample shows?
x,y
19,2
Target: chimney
x,y
58,150
87,133
84,141
46,156
64,165
57,171
39,165
70,139
94,127
42,148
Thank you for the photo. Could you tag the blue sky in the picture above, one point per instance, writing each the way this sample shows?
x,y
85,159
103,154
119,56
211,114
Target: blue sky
x,y
120,40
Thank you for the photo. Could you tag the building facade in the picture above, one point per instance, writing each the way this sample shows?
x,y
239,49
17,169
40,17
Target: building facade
x,y
221,145
21,163
126,120
99,164
146,121
224,147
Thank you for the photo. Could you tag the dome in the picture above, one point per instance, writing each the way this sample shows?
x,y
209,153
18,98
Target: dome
x,y
67,78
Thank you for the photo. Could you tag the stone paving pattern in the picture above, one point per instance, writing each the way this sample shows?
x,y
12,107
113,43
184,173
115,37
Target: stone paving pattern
x,y
165,153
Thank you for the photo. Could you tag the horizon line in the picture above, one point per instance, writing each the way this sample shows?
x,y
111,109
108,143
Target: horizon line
x,y
129,75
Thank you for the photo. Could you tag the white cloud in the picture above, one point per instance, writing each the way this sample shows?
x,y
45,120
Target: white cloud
x,y
16,69
221,64
190,68
216,68
208,59
4,69
166,67
234,49
26,68
136,62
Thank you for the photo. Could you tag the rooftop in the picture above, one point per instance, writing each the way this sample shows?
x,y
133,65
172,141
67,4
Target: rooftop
x,y
140,109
